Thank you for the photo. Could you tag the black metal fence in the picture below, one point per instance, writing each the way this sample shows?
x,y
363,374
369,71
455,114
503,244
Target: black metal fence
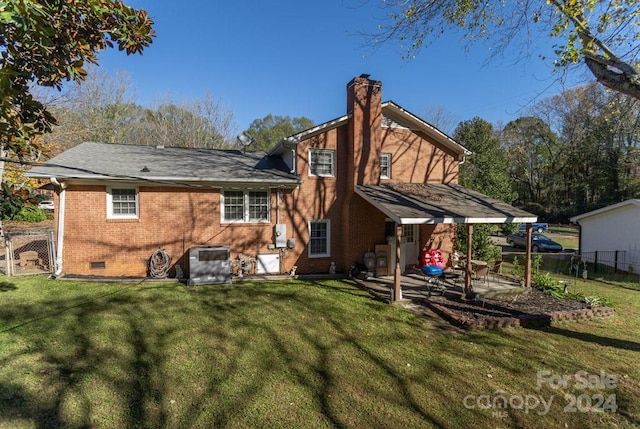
x,y
614,261
615,266
622,266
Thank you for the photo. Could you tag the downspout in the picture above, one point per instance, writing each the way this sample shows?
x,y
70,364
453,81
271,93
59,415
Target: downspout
x,y
61,206
277,205
293,161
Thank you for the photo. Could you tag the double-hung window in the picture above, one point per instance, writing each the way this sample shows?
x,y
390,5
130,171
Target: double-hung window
x,y
385,166
245,206
319,238
321,163
122,203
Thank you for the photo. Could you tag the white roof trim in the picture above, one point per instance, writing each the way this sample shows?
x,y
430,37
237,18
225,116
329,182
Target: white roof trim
x,y
605,209
427,127
408,221
414,123
297,138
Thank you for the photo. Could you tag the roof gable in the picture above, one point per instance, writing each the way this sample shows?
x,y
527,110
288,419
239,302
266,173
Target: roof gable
x,y
402,117
394,116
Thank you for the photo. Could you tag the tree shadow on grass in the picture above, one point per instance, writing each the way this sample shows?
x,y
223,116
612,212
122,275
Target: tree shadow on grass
x,y
170,356
597,339
6,287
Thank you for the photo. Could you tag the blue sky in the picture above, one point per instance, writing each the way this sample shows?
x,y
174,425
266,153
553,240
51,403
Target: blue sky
x,y
294,58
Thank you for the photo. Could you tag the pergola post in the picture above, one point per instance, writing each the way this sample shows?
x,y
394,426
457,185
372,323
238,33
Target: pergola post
x,y
527,258
468,268
397,275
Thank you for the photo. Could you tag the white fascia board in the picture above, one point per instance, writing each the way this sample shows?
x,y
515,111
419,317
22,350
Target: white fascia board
x,y
465,220
297,138
177,182
427,127
597,212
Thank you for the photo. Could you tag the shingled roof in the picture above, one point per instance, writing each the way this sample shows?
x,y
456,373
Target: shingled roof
x,y
416,203
102,161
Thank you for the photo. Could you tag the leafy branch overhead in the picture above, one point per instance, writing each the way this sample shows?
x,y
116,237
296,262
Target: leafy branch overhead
x,y
604,35
47,43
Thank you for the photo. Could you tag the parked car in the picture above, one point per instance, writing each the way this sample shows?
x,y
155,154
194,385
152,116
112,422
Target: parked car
x,y
536,226
539,242
46,205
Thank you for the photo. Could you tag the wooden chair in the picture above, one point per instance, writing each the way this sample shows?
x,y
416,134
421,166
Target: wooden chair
x,y
482,272
497,269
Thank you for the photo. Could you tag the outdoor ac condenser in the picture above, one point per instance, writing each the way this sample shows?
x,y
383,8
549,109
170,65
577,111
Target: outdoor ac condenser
x,y
209,265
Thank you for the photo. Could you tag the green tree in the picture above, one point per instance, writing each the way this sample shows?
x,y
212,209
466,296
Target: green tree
x,y
532,149
486,171
268,131
599,140
49,42
603,35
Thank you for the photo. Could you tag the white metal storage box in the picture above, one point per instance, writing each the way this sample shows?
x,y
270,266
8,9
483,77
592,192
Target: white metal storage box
x,y
209,265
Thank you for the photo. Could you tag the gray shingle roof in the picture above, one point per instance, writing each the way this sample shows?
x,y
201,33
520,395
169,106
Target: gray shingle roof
x,y
104,161
415,203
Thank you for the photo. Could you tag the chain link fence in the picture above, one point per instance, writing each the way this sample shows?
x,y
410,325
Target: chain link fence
x,y
29,252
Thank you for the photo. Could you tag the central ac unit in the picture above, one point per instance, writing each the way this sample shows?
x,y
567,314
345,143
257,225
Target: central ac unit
x,y
209,265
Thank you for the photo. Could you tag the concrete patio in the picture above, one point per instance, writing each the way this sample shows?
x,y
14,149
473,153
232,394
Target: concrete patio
x,y
416,286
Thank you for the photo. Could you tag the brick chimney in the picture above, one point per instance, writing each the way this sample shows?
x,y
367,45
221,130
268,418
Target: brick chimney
x,y
364,103
364,141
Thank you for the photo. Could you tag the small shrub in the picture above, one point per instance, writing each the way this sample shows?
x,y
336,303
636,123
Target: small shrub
x,y
596,301
31,214
518,270
508,228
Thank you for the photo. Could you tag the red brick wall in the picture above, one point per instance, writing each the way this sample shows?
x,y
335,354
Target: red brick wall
x,y
417,158
170,218
357,226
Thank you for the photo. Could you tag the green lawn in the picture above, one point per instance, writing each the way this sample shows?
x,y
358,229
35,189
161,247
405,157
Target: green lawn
x,y
298,354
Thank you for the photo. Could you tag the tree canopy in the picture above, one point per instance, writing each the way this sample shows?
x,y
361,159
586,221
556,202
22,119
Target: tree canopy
x,y
604,35
104,110
48,42
487,170
45,43
272,128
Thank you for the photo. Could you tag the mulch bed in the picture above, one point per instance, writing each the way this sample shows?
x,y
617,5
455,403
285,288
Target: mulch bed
x,y
532,309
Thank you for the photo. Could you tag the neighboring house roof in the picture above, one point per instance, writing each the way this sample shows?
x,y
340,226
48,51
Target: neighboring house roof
x,y
167,165
391,111
417,203
604,210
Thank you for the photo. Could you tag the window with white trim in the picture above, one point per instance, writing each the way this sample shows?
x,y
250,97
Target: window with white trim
x,y
245,206
122,203
319,238
385,166
321,163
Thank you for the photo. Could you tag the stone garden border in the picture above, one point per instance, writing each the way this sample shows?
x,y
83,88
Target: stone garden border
x,y
525,321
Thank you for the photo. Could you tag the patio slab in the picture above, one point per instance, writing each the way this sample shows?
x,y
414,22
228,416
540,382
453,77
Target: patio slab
x,y
416,286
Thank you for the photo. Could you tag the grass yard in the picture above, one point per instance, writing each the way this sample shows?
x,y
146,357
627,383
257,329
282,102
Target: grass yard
x,y
299,354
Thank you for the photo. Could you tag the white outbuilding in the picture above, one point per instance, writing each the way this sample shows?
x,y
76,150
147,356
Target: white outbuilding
x,y
611,235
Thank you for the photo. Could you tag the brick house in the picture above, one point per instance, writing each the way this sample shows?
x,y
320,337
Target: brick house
x,y
377,176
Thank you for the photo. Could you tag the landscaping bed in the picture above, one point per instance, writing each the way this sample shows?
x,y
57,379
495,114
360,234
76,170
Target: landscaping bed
x,y
531,309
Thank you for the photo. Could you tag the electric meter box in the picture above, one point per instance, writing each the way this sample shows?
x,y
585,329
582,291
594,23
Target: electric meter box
x,y
281,235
